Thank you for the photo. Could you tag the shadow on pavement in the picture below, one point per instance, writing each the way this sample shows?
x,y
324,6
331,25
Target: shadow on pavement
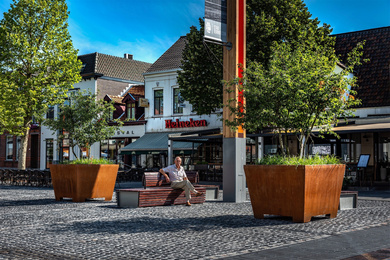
x,y
161,225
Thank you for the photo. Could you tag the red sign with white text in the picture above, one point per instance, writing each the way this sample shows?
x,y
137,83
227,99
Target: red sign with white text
x,y
181,124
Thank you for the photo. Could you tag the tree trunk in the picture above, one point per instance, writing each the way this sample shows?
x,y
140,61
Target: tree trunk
x,y
281,143
23,150
302,144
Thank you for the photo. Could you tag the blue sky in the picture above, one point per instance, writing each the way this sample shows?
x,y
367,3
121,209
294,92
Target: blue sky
x,y
147,28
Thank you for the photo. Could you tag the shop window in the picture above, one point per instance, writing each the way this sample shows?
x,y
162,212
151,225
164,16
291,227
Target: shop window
x,y
251,147
104,149
64,148
158,102
320,149
350,147
9,147
177,102
131,111
110,149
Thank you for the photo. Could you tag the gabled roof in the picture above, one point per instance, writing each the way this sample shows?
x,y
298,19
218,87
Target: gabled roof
x,y
137,90
116,99
373,76
171,59
98,64
134,93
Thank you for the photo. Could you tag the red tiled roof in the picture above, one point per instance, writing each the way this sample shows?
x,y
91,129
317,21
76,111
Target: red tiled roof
x,y
373,76
137,90
116,99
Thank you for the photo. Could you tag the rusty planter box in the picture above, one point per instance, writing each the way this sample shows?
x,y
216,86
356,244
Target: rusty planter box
x,y
83,181
300,192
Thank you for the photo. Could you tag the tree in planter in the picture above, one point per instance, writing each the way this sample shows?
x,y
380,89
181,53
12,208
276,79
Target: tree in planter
x,y
84,120
38,64
298,91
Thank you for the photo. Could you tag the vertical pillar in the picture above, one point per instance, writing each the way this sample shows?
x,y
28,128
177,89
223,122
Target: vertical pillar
x,y
234,142
170,152
260,147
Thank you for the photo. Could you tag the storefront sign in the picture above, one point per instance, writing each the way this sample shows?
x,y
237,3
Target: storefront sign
x,y
181,124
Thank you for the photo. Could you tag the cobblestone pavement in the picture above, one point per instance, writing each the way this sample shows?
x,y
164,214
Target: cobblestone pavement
x,y
35,226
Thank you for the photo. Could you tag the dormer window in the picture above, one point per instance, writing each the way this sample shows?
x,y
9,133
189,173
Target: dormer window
x,y
131,111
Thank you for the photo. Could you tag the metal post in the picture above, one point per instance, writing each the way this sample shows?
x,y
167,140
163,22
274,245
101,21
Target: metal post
x,y
260,147
234,142
170,152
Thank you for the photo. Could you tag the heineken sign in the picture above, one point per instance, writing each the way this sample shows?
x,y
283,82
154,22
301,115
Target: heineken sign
x,y
182,124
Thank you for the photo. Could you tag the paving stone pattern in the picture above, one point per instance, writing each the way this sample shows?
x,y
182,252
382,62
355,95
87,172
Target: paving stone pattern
x,y
35,226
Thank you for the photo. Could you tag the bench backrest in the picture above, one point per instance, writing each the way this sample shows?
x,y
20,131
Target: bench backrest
x,y
156,179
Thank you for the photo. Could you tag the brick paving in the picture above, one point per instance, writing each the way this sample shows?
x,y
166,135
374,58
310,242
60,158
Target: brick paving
x,y
35,226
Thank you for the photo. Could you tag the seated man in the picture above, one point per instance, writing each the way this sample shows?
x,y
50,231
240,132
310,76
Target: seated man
x,y
179,180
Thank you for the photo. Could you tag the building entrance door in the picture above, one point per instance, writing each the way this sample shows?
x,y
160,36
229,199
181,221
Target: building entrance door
x,y
34,151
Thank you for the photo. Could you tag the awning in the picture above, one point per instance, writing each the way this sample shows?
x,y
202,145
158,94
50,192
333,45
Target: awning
x,y
362,128
203,136
344,129
155,142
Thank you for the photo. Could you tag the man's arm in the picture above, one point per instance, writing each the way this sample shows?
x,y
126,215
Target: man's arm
x,y
165,175
185,175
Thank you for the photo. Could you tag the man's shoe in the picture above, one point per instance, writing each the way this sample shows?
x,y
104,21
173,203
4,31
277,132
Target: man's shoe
x,y
199,194
188,203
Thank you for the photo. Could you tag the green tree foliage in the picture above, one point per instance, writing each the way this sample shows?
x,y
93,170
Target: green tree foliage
x,y
269,22
200,80
275,21
83,120
38,64
300,90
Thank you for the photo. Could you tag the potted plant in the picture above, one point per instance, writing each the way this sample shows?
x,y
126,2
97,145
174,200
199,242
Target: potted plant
x,y
83,120
298,91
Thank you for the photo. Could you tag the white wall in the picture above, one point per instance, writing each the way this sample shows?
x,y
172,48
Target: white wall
x,y
364,112
156,123
48,134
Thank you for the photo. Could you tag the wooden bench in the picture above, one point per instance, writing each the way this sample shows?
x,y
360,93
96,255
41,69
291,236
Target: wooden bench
x,y
157,192
152,179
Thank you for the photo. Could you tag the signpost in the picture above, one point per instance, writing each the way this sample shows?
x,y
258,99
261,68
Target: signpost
x,y
227,18
215,20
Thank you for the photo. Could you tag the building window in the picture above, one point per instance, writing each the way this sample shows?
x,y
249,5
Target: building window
x,y
18,141
50,113
177,101
158,102
131,111
9,147
49,152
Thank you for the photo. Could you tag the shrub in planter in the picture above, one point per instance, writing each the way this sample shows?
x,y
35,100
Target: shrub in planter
x,y
84,121
298,90
299,188
83,181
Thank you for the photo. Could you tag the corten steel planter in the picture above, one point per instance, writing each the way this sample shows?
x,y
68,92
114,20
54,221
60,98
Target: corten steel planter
x,y
83,181
300,192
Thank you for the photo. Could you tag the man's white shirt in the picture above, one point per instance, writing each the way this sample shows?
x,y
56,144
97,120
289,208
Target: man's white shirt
x,y
174,173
